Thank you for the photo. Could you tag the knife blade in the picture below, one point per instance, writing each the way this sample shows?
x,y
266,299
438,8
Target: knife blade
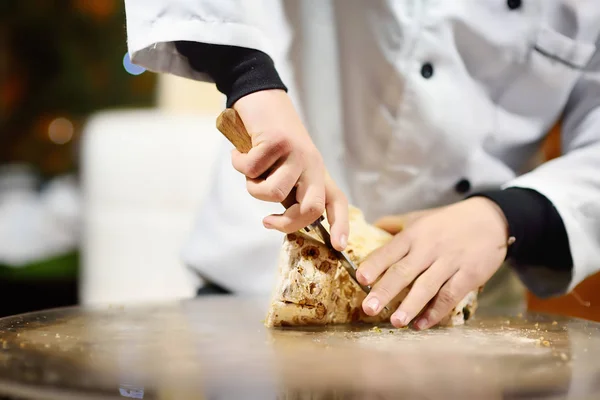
x,y
321,232
230,124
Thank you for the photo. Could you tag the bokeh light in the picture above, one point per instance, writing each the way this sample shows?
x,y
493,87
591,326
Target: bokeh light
x,y
60,131
132,68
99,9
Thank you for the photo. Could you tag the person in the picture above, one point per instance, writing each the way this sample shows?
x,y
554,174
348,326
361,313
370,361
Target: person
x,y
425,114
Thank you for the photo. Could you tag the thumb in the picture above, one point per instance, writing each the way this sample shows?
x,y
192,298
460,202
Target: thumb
x,y
396,223
392,224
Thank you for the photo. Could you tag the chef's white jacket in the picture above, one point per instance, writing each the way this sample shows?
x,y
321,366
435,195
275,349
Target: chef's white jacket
x,y
412,103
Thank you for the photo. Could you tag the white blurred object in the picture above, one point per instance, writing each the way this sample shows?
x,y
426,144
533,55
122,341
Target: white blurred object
x,y
145,174
36,225
180,95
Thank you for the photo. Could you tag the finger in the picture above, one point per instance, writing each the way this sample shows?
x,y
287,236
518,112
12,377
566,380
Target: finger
x,y
310,193
382,258
392,224
394,280
290,221
336,206
310,197
422,291
261,157
276,187
447,298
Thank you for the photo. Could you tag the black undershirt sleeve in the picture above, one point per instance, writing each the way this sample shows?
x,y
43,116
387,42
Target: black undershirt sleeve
x,y
541,237
236,71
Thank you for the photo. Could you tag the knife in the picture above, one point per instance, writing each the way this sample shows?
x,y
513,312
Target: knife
x,y
230,124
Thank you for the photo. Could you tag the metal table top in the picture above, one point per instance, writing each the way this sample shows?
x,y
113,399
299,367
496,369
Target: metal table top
x,y
217,348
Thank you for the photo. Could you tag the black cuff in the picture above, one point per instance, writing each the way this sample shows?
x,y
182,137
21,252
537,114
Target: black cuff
x,y
541,236
237,71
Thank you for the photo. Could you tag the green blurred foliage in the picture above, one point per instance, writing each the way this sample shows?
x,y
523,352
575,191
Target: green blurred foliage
x,y
58,58
61,58
63,267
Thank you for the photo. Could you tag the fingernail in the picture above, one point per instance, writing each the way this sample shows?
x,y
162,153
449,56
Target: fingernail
x,y
267,225
400,318
422,323
373,304
343,241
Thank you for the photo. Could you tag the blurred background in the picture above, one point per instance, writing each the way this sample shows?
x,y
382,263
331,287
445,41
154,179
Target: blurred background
x,y
103,165
65,75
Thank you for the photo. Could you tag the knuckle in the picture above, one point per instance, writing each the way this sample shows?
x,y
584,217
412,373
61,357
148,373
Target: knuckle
x,y
426,286
316,207
470,275
383,292
433,316
447,298
400,244
252,169
410,234
277,194
401,271
280,145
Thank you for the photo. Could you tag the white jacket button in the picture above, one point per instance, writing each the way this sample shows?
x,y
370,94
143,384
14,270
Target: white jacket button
x,y
427,70
462,186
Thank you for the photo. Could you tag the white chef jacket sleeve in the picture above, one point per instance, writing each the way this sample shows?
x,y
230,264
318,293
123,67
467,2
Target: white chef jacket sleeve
x,y
153,26
572,183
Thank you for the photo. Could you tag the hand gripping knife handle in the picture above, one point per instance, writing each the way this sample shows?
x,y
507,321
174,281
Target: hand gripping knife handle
x,y
232,127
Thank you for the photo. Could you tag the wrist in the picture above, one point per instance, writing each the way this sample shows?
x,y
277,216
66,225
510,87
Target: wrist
x,y
494,215
266,110
236,71
252,103
535,223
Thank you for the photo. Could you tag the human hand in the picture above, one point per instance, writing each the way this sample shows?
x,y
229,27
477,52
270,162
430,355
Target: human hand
x,y
447,252
283,157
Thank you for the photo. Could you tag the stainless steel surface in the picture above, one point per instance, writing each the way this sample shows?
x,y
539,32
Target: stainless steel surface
x,y
217,348
318,229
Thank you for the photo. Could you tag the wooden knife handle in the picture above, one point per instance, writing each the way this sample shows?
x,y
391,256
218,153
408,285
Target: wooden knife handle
x,y
232,127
